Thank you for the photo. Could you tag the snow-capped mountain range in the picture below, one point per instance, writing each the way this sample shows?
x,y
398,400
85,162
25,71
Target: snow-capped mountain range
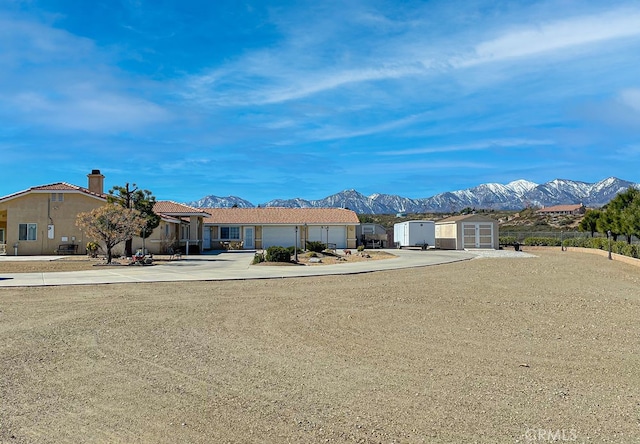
x,y
512,196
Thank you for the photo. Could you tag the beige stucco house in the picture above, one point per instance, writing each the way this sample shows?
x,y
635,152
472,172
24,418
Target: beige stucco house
x,y
259,228
467,232
42,220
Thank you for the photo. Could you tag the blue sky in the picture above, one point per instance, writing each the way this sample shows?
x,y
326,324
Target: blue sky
x,y
283,99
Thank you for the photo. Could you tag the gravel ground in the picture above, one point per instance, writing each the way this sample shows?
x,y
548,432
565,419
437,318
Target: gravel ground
x,y
490,350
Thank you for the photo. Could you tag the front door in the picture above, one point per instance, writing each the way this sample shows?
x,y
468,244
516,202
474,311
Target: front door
x,y
206,244
249,242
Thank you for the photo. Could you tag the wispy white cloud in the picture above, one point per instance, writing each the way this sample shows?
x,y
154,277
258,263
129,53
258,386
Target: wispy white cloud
x,y
332,133
54,79
261,77
559,35
476,146
91,110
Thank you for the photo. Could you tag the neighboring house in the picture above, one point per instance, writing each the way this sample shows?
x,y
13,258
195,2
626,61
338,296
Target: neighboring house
x,y
467,232
259,228
42,220
560,210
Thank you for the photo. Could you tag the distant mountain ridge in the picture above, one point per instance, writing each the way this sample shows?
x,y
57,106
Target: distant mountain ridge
x,y
512,196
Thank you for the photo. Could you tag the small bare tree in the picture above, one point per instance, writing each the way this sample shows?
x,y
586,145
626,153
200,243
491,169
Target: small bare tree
x,y
111,224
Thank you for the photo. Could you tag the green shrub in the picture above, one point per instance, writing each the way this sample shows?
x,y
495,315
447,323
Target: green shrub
x,y
602,243
258,258
542,241
278,254
360,248
292,250
507,240
316,246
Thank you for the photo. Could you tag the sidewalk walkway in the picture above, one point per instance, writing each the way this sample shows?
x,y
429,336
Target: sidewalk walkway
x,y
224,266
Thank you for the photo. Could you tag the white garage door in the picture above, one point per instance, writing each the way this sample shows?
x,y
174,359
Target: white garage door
x,y
337,235
279,236
477,235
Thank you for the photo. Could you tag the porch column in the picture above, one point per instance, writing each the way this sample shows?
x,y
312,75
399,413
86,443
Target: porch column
x,y
195,230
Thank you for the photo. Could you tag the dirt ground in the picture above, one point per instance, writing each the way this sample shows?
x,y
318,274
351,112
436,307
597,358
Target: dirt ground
x,y
488,350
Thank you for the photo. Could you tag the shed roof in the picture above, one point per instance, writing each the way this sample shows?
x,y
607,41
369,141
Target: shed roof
x,y
281,216
461,217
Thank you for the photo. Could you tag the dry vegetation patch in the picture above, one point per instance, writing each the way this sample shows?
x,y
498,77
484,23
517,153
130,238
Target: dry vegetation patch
x,y
341,257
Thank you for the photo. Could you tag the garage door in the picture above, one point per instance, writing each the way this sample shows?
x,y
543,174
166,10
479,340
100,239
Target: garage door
x,y
337,235
279,236
477,235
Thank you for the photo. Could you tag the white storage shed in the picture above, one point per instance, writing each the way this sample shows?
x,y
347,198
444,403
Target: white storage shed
x,y
414,233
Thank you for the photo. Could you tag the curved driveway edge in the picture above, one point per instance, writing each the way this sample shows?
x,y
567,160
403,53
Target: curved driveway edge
x,y
227,266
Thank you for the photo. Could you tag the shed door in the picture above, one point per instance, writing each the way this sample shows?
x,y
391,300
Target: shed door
x,y
477,235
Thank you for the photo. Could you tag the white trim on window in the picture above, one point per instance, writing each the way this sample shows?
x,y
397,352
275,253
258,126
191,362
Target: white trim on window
x,y
229,233
28,232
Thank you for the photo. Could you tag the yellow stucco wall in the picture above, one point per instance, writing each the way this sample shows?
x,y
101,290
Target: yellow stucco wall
x,y
351,236
39,209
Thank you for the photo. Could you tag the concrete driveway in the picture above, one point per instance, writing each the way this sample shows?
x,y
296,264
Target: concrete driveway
x,y
223,266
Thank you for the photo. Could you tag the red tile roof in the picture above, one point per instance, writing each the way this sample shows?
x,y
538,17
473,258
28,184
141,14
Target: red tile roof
x,y
58,186
281,216
171,208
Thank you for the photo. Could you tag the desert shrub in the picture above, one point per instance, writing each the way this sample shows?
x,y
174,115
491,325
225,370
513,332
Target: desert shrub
x,y
542,241
316,246
313,254
360,248
278,254
258,258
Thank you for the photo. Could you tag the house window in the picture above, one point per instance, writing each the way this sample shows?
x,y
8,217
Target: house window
x,y
1,235
27,231
229,233
57,197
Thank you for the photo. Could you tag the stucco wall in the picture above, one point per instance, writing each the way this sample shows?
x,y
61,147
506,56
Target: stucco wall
x,y
37,208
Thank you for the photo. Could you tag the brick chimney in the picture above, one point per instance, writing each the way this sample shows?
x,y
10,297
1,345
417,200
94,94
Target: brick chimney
x,y
96,182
